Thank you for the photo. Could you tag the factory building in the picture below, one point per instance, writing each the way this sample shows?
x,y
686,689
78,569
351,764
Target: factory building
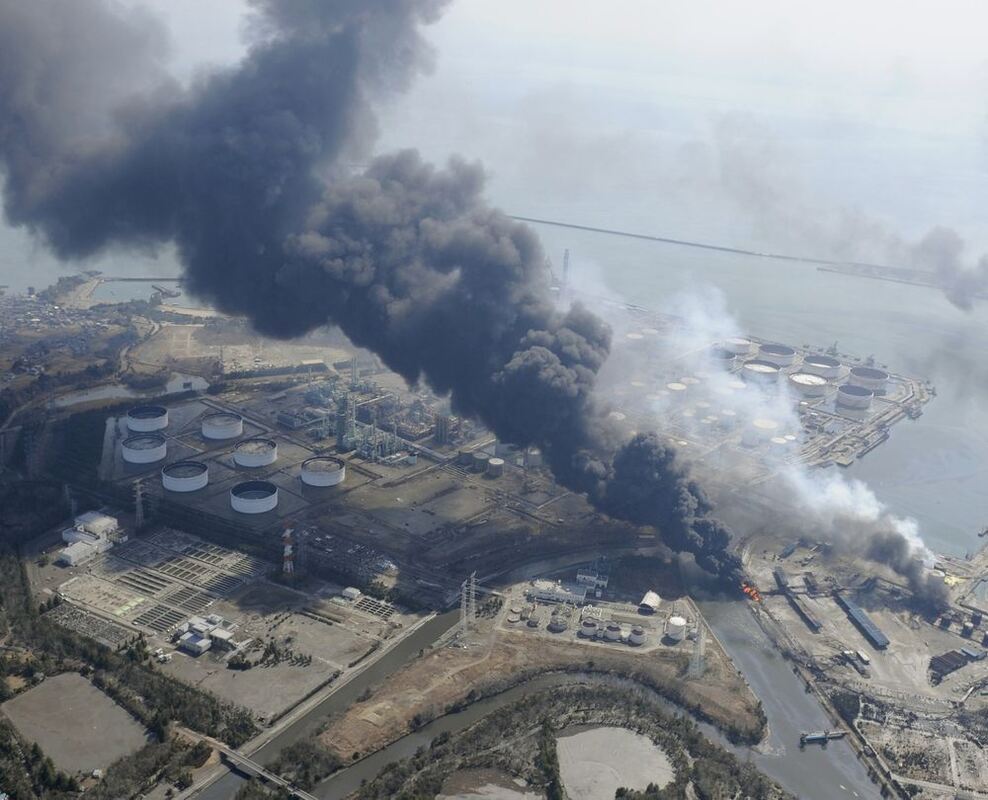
x,y
862,622
558,592
89,537
649,603
200,634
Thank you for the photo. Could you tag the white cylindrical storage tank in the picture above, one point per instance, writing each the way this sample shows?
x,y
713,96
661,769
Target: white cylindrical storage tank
x,y
222,425
637,636
323,471
495,467
722,357
677,391
185,476
760,372
533,457
254,497
851,396
612,632
869,378
740,347
808,384
479,463
144,448
144,419
827,366
782,355
257,452
759,431
676,629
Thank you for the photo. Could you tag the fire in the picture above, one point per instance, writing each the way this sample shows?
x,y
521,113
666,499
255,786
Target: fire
x,y
751,591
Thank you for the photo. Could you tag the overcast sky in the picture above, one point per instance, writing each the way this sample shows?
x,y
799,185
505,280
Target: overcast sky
x,y
725,119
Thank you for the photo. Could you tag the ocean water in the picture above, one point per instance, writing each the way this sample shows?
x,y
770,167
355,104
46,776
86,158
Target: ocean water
x,y
934,469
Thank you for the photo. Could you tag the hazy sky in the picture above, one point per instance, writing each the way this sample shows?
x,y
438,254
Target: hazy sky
x,y
736,120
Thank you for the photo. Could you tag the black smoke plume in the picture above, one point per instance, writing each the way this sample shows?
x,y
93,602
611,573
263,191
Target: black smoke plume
x,y
99,148
890,548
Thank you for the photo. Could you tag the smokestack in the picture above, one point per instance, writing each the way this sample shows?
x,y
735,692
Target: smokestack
x,y
405,258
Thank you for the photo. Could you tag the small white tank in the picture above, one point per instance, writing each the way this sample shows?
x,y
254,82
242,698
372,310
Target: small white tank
x,y
495,467
738,346
144,448
851,396
222,425
255,452
676,629
808,384
185,476
637,636
322,471
145,419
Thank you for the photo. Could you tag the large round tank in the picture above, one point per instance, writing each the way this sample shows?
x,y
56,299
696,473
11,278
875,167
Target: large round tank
x,y
612,632
676,629
637,636
464,457
144,448
144,419
740,347
677,391
479,463
722,357
851,396
827,366
760,372
808,384
185,476
323,471
254,497
760,430
588,628
495,467
782,355
222,425
869,378
255,452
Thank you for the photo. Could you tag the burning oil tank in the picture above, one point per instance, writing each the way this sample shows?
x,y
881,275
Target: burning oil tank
x,y
144,448
782,355
869,378
322,471
185,476
808,384
826,366
256,452
222,425
851,396
145,419
254,497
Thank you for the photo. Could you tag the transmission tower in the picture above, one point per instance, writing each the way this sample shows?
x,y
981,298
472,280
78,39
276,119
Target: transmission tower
x,y
697,667
468,603
139,504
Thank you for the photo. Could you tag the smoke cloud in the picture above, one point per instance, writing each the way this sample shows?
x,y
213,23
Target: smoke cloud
x,y
240,171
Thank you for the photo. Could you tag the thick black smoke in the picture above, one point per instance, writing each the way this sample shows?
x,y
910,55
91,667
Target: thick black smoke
x,y
890,548
239,171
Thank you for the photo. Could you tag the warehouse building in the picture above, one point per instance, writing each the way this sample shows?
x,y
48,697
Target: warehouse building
x,y
862,622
